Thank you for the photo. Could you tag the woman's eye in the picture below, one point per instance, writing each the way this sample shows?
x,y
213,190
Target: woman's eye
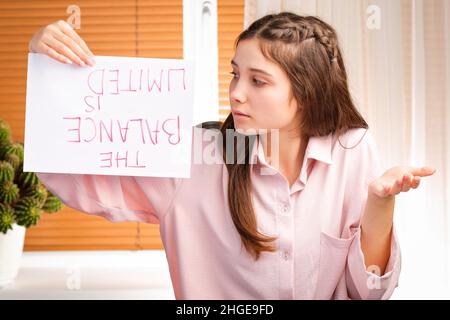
x,y
258,82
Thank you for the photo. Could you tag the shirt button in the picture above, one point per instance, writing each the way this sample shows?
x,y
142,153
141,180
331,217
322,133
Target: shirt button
x,y
285,208
286,255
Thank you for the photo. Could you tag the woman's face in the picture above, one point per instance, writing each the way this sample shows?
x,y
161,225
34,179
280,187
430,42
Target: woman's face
x,y
261,90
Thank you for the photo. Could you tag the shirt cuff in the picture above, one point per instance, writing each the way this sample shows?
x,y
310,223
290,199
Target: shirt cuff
x,y
363,284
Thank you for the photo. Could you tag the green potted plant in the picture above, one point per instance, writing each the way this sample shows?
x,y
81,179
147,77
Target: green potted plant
x,y
23,199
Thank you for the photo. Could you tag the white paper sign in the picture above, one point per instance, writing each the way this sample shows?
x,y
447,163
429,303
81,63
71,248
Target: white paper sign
x,y
124,116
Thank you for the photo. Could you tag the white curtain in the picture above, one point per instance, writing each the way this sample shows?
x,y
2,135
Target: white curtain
x,y
397,54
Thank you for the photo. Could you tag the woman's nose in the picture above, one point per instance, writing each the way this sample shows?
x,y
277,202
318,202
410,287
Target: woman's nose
x,y
237,94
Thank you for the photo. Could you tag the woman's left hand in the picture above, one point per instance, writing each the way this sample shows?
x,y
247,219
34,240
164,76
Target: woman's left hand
x,y
399,179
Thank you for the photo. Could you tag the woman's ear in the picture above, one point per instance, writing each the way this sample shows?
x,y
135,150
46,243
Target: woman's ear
x,y
293,102
299,106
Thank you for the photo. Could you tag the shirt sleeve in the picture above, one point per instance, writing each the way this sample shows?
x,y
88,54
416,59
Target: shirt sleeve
x,y
361,282
116,198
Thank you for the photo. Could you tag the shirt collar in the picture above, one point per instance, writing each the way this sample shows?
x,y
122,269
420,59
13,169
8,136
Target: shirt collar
x,y
318,148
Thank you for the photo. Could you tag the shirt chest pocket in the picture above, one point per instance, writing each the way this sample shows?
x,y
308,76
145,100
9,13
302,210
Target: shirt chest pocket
x,y
332,262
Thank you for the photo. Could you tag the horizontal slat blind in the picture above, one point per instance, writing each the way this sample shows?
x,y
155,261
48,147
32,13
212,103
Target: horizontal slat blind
x,y
144,28
148,28
230,25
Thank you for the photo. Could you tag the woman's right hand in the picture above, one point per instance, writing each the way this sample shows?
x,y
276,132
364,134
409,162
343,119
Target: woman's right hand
x,y
60,42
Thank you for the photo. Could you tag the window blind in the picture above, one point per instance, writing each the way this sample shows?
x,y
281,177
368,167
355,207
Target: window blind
x,y
143,28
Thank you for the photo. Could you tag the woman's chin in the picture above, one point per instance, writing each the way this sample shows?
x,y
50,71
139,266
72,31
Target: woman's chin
x,y
247,131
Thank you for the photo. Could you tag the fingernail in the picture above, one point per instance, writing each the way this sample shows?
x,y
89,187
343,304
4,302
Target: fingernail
x,y
69,61
91,61
82,63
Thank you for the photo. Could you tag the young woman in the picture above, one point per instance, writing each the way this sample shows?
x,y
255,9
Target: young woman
x,y
315,224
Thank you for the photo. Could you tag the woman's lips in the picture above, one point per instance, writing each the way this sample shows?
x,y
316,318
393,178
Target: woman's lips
x,y
240,114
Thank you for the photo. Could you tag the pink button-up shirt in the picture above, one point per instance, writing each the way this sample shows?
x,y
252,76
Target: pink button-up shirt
x,y
316,220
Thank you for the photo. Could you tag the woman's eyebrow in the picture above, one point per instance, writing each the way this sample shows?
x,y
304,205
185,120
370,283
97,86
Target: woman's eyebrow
x,y
253,69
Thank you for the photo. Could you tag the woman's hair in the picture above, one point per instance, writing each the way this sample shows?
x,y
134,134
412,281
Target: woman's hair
x,y
306,48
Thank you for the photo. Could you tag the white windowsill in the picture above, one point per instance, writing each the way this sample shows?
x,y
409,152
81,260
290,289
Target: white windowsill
x,y
142,275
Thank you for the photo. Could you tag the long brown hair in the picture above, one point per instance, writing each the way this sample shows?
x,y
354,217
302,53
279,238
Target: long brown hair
x,y
306,48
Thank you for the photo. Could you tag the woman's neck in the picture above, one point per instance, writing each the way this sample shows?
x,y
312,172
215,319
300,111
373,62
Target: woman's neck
x,y
284,151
